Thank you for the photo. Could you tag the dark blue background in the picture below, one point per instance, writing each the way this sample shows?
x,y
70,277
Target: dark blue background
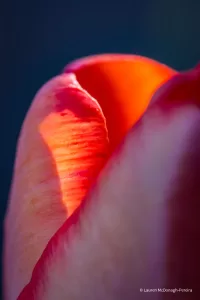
x,y
39,37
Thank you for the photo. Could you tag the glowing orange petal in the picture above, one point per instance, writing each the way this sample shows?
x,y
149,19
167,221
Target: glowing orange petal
x,y
123,85
62,147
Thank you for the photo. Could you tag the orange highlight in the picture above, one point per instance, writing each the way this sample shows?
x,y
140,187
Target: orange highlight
x,y
123,85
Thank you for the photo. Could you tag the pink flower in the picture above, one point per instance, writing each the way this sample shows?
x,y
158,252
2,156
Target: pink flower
x,y
72,233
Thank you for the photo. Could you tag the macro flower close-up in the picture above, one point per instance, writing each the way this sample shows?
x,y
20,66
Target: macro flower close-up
x,y
105,188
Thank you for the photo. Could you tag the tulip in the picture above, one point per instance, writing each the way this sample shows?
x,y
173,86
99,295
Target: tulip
x,y
105,196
